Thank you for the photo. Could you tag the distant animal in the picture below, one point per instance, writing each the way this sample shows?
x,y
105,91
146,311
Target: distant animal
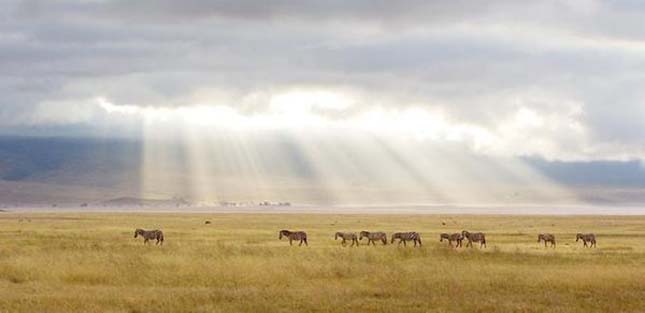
x,y
149,235
404,237
294,235
590,238
452,237
546,238
345,237
207,222
372,237
474,237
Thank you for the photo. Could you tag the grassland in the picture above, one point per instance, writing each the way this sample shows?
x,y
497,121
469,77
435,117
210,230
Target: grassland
x,y
73,262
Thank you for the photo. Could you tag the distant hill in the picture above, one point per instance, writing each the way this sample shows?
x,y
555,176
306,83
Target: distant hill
x,y
117,172
132,201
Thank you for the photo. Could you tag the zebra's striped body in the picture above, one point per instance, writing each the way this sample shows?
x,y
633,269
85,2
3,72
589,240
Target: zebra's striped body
x,y
547,238
294,235
474,237
347,236
404,237
149,235
452,237
590,238
373,237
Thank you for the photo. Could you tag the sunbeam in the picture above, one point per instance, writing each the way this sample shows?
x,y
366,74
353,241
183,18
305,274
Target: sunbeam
x,y
311,147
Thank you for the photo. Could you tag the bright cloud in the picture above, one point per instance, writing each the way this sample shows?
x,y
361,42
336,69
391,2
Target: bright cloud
x,y
554,79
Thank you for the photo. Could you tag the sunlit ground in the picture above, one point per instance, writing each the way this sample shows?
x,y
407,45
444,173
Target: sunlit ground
x,y
71,262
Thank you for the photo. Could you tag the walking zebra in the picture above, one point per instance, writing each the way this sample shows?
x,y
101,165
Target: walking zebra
x,y
294,235
347,236
149,235
474,237
590,238
373,237
404,237
452,237
547,238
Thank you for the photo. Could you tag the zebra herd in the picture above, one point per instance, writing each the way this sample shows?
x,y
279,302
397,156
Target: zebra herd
x,y
459,238
589,240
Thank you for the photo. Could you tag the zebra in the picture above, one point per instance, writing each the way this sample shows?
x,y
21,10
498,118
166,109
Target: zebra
x,y
404,237
373,237
150,234
591,238
347,236
546,238
294,235
452,237
474,237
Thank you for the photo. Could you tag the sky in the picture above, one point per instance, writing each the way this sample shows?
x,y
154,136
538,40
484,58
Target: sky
x,y
555,80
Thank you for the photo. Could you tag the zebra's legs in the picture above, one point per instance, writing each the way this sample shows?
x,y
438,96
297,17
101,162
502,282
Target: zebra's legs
x,y
306,243
290,242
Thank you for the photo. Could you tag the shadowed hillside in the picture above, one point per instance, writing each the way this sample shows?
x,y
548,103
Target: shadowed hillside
x,y
72,171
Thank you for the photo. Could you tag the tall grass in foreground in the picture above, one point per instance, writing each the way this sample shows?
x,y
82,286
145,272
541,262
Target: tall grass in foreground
x,y
92,263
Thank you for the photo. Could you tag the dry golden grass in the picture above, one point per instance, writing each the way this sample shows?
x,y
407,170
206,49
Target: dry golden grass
x,y
90,262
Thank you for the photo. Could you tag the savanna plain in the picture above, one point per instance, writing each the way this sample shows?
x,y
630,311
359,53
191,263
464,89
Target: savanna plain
x,y
90,262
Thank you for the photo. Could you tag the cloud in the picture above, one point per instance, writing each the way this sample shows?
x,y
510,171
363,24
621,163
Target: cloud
x,y
556,79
